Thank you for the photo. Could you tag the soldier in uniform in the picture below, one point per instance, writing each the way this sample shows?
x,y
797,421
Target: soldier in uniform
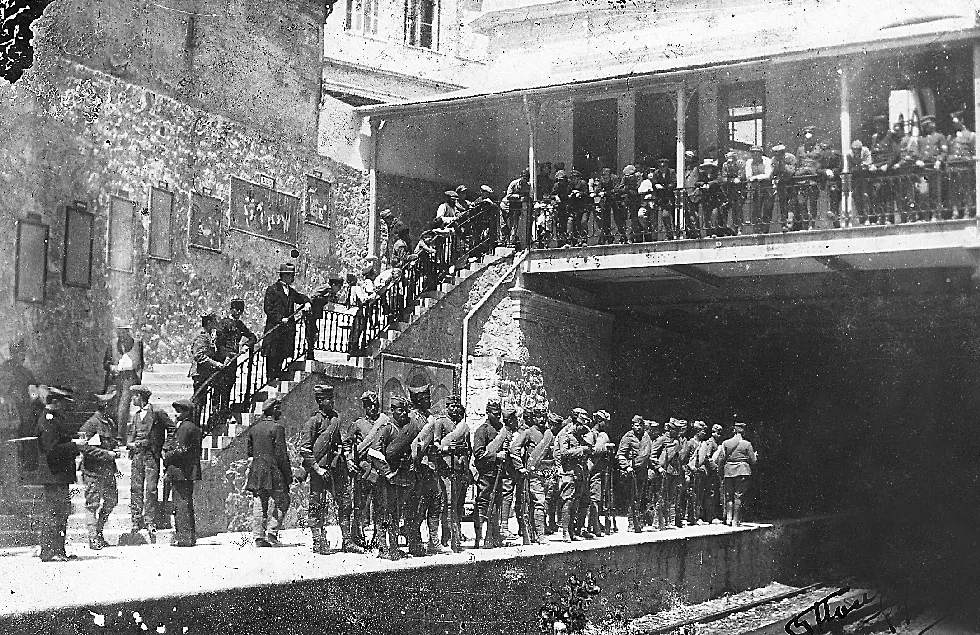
x,y
489,454
279,303
325,451
884,157
508,476
550,476
571,453
99,468
598,467
694,196
455,446
959,163
56,471
147,432
695,475
732,177
928,150
758,174
269,474
182,460
783,172
530,451
517,197
735,462
368,484
579,203
709,473
808,156
429,467
560,197
633,457
654,482
401,497
671,473
714,215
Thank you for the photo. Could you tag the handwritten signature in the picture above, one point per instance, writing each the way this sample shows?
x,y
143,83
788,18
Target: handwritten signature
x,y
820,617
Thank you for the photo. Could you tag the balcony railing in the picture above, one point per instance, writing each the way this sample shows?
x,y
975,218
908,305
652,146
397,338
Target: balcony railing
x,y
861,197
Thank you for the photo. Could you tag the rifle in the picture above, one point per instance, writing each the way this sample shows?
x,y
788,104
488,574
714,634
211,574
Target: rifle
x,y
493,513
527,521
608,482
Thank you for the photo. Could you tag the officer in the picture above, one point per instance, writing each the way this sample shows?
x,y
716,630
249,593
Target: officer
x,y
597,465
732,177
429,467
369,484
269,474
403,479
56,471
147,432
489,453
808,156
325,451
633,457
959,162
672,474
571,453
736,459
99,468
455,446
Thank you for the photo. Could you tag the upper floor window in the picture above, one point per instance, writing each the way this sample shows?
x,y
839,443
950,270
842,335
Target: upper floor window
x,y
743,115
420,23
362,16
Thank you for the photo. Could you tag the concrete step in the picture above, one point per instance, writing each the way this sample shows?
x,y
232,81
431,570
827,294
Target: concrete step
x,y
219,442
169,386
171,368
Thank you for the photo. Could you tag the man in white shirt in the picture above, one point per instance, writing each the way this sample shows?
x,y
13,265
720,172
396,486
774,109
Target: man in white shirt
x,y
758,174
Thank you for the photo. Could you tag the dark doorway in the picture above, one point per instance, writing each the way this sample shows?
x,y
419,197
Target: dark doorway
x,y
594,135
656,126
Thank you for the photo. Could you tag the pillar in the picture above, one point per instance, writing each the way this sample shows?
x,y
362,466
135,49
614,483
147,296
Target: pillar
x,y
845,142
681,120
372,246
976,117
626,129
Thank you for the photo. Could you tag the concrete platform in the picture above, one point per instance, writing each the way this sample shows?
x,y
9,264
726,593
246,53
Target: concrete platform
x,y
225,585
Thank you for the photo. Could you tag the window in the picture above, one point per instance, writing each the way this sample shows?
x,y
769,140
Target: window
x,y
362,16
420,23
79,242
32,260
161,217
743,115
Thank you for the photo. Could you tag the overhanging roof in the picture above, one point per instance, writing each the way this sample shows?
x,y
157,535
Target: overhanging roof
x,y
954,21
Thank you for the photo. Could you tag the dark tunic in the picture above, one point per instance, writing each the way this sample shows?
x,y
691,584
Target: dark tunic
x,y
182,453
270,468
99,460
58,451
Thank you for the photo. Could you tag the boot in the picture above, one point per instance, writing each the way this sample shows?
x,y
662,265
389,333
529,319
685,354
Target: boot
x,y
505,509
737,513
435,547
348,545
101,538
728,513
93,541
415,547
477,530
567,533
317,539
392,552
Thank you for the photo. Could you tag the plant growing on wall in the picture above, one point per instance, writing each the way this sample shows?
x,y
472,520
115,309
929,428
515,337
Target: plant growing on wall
x,y
567,610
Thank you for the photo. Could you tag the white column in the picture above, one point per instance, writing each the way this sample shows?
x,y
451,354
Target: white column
x,y
372,246
566,114
681,119
976,118
626,129
845,142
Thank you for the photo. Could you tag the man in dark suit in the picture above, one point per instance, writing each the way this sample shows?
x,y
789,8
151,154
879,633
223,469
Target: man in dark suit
x,y
269,474
228,341
182,459
204,359
56,471
279,304
147,432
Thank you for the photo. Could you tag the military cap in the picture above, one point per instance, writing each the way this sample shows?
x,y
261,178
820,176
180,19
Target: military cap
x,y
689,154
369,396
554,419
60,392
386,213
708,161
269,404
856,144
740,424
810,129
637,419
539,409
648,196
399,400
602,414
755,149
652,423
419,390
486,189
237,303
451,193
333,276
580,411
140,389
927,118
699,425
493,404
207,318
453,400
461,189
509,412
287,267
323,390
561,174
629,170
778,147
731,154
716,428
107,397
183,405
575,172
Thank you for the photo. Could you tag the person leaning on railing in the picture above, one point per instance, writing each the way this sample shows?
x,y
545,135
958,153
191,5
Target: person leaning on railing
x,y
859,162
323,295
928,151
959,164
204,359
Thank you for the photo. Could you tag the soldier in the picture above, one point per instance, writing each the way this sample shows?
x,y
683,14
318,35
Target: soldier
x,y
518,196
269,474
959,163
603,193
455,445
560,196
230,332
530,450
783,171
402,480
713,217
508,476
325,452
654,482
709,473
597,466
489,453
664,181
884,157
831,167
806,178
578,207
758,174
672,474
98,451
732,177
550,476
368,485
56,471
693,194
280,302
736,459
928,150
626,205
633,457
147,432
694,474
182,460
571,452
429,467
204,360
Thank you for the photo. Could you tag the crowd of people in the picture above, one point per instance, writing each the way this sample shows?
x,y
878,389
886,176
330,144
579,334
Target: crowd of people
x,y
388,474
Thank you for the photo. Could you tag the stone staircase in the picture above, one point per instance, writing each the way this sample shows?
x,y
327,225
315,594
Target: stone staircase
x,y
168,383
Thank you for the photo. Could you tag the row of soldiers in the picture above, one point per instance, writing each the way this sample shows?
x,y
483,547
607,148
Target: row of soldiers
x,y
554,474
